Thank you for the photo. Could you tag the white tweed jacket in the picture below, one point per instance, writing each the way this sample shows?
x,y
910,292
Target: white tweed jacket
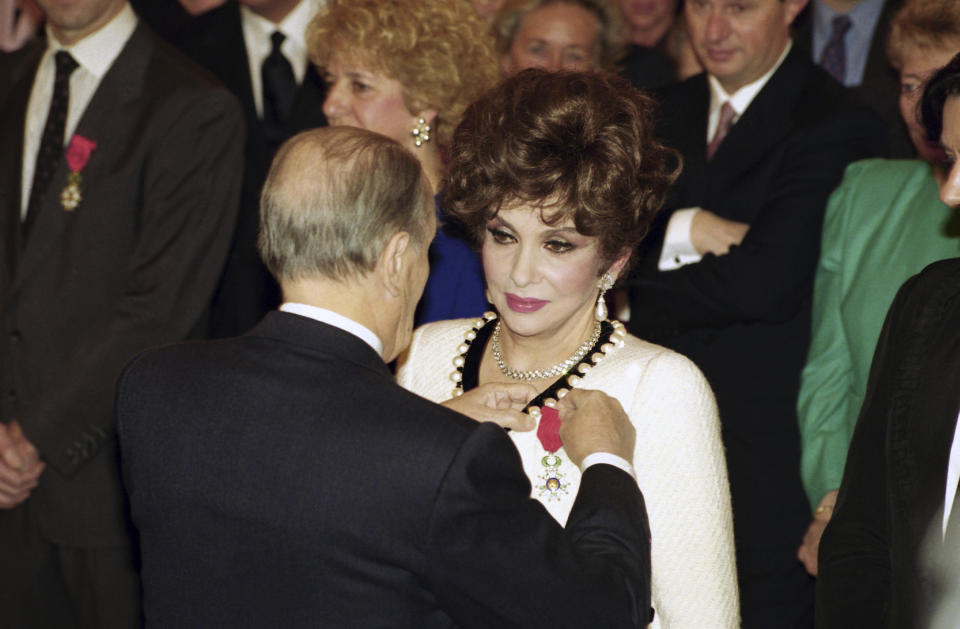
x,y
678,458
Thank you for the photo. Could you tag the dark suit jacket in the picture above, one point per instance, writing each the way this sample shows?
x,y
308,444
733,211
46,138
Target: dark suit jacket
x,y
133,266
283,479
871,570
744,317
880,88
215,41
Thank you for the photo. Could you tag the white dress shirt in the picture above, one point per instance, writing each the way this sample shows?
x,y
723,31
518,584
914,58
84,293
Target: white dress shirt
x,y
678,250
256,37
864,17
95,53
953,477
337,320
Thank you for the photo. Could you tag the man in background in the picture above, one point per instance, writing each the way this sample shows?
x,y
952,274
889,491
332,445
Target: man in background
x,y
118,192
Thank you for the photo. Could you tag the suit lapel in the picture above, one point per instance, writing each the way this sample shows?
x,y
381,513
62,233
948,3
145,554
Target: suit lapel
x,y
765,123
878,66
114,98
308,108
12,122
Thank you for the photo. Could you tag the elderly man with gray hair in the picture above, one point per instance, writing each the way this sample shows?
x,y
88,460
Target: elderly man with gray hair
x,y
282,478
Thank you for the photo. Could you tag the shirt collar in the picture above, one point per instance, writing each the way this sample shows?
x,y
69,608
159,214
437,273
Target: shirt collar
x,y
863,15
742,98
336,320
97,51
294,26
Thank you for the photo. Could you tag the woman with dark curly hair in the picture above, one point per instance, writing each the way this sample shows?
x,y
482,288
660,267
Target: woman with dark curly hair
x,y
407,69
557,176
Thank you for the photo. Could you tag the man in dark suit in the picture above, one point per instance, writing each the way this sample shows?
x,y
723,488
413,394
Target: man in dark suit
x,y
865,66
726,276
283,478
110,246
257,49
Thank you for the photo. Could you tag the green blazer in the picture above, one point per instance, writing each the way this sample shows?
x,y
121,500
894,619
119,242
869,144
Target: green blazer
x,y
883,224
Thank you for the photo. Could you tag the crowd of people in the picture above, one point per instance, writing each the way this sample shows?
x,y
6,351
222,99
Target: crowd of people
x,y
480,313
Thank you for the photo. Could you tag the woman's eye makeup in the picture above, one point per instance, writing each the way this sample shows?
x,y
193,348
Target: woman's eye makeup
x,y
558,245
500,235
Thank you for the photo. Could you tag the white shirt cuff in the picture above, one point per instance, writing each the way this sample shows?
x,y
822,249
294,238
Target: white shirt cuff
x,y
609,459
677,250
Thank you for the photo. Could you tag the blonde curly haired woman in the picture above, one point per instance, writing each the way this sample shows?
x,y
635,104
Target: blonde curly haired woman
x,y
407,69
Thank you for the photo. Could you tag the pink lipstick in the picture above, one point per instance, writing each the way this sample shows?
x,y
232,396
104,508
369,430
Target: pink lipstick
x,y
524,304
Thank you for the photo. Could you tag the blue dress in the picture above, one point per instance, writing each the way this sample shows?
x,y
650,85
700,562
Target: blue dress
x,y
455,287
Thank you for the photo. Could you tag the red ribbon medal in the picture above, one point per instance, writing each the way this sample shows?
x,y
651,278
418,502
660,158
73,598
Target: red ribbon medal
x,y
549,429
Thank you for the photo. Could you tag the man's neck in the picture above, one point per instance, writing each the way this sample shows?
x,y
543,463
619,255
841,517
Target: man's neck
x,y
70,36
649,37
841,6
276,11
355,299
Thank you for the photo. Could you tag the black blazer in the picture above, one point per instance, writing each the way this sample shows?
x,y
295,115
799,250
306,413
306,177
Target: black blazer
x,y
283,479
744,317
880,88
133,266
215,41
871,568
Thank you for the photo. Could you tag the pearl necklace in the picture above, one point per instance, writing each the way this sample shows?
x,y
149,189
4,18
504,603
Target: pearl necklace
x,y
542,374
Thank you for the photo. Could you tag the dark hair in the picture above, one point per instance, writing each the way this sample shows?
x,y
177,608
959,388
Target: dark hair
x,y
574,144
944,84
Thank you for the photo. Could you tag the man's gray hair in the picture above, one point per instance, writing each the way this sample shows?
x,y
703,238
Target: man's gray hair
x,y
332,200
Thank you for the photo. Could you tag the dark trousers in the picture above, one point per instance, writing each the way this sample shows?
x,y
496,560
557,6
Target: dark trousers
x,y
50,586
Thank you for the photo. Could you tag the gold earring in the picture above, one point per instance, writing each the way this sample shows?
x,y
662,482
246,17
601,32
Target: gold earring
x,y
606,283
421,132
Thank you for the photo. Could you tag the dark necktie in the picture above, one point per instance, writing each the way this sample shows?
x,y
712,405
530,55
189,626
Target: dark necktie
x,y
51,142
727,114
279,91
834,58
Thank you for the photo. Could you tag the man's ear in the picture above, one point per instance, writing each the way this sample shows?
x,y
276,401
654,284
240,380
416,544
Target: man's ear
x,y
793,9
392,264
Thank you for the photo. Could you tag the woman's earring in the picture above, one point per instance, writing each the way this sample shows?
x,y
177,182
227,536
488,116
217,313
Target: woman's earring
x,y
421,132
606,283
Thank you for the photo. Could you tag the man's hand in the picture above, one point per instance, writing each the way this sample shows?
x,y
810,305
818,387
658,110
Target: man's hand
x,y
20,466
711,234
594,422
807,553
498,403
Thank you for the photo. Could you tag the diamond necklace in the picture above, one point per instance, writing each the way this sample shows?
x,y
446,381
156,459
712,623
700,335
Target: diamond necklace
x,y
542,374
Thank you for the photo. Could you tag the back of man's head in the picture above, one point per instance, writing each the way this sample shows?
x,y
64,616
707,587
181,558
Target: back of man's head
x,y
332,200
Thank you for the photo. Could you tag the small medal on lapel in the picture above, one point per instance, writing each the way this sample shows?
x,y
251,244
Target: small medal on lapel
x,y
552,484
78,153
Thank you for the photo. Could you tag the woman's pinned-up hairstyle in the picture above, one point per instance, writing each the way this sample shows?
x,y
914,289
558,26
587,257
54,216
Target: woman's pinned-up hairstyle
x,y
440,52
578,145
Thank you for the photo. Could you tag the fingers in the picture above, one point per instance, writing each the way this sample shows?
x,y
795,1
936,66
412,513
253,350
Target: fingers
x,y
507,395
9,447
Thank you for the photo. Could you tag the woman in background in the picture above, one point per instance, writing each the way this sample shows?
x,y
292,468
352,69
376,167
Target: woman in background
x,y
882,224
407,69
895,532
557,176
